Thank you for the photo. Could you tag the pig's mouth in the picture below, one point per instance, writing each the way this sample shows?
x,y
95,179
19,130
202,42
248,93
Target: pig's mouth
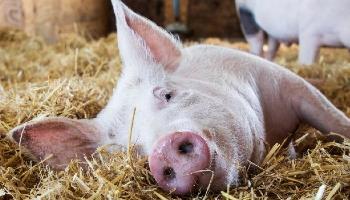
x,y
213,162
215,178
217,175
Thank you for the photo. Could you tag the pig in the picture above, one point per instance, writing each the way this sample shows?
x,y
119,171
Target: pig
x,y
201,112
312,24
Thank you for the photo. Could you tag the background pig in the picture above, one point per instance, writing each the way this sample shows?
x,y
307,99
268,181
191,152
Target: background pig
x,y
201,111
311,23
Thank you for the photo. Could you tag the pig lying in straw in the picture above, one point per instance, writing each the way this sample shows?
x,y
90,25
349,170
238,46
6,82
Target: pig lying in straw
x,y
312,23
200,110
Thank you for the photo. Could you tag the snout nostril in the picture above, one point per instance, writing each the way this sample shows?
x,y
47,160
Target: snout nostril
x,y
169,173
185,147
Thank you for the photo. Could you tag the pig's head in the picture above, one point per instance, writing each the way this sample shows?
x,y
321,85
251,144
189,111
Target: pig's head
x,y
182,123
182,120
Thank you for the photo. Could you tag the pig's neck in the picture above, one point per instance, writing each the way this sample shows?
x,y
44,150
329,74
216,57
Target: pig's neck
x,y
279,116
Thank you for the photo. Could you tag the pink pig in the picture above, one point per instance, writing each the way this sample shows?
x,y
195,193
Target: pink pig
x,y
200,110
311,23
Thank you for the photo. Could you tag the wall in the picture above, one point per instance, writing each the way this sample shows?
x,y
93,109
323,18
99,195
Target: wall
x,y
205,18
50,18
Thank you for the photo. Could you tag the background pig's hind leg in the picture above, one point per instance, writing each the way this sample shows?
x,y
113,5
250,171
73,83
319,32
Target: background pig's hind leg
x,y
256,43
252,31
308,48
273,46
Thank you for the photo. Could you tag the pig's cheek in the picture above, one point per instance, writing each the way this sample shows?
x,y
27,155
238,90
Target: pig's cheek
x,y
161,104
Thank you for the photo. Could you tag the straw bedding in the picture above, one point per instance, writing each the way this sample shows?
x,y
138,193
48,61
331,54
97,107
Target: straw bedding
x,y
75,77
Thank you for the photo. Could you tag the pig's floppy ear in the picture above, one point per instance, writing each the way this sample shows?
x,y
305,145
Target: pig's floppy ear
x,y
141,40
60,139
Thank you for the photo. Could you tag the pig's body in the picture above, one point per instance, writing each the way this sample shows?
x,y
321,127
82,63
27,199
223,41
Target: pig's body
x,y
200,111
312,23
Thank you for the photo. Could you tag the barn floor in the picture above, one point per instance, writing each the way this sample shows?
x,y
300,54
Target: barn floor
x,y
74,78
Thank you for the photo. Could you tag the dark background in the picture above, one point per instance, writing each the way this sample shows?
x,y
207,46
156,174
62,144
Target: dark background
x,y
204,18
95,18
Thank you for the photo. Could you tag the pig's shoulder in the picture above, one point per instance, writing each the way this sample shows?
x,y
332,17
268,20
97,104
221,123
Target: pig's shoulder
x,y
216,62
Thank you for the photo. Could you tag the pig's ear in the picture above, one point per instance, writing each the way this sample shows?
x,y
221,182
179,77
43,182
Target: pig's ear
x,y
141,40
59,140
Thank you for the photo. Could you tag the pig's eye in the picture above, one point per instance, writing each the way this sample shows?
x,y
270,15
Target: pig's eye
x,y
163,94
168,96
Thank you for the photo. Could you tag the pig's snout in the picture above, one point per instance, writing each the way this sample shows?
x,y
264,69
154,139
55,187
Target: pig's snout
x,y
178,160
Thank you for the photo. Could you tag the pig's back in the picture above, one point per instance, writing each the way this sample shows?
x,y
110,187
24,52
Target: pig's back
x,y
217,64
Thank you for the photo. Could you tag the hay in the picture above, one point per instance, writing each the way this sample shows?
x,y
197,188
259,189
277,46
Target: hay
x,y
75,77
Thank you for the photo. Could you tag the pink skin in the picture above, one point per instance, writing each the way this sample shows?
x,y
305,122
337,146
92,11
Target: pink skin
x,y
231,103
177,160
311,23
